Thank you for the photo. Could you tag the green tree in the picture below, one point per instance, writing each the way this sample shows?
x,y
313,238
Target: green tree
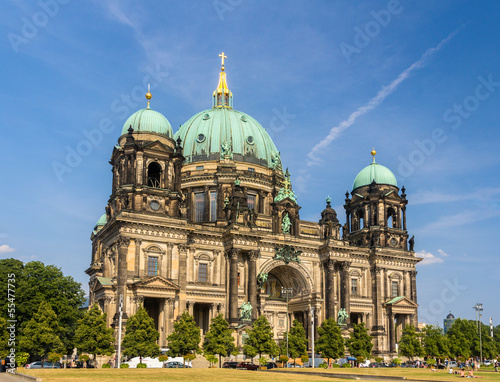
x,y
409,345
460,338
219,340
185,338
36,283
4,338
260,339
359,342
297,342
140,336
434,342
41,334
92,334
211,359
330,343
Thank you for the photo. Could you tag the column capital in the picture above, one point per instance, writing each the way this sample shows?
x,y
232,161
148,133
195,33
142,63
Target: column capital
x,y
123,241
254,255
344,265
232,253
138,241
329,264
183,248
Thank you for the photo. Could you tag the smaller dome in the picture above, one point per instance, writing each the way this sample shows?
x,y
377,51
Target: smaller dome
x,y
147,120
450,316
100,223
374,172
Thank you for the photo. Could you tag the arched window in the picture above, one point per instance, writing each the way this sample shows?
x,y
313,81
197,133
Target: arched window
x,y
359,218
391,218
154,175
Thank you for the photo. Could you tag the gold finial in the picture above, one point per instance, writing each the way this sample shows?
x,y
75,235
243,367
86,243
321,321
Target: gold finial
x,y
373,152
149,95
222,58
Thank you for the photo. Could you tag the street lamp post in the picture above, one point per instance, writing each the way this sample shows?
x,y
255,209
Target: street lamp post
x,y
286,291
312,334
479,308
120,315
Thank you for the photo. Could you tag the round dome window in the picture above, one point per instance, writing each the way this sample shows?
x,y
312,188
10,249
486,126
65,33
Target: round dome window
x,y
243,118
200,138
250,140
205,117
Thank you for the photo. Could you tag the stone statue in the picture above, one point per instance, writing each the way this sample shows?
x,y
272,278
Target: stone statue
x,y
246,311
412,242
286,224
226,151
261,279
345,231
342,317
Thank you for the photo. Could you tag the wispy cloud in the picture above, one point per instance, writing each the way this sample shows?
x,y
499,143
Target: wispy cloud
x,y
427,197
375,101
466,217
429,258
4,248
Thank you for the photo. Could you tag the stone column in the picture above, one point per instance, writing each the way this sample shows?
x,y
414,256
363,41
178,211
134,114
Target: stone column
x,y
232,256
138,243
377,297
403,209
345,290
392,332
330,292
183,251
413,278
122,244
206,213
252,281
215,268
170,246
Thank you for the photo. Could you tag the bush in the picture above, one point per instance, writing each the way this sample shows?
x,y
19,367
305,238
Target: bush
x,y
106,366
360,359
125,366
142,366
163,358
263,361
22,358
54,357
304,358
431,362
379,359
335,365
396,361
284,359
346,365
323,366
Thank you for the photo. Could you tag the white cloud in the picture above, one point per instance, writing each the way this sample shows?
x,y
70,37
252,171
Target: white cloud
x,y
428,258
6,249
442,253
375,101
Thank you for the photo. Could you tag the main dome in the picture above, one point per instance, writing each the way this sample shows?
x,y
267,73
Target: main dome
x,y
222,132
204,134
374,172
147,120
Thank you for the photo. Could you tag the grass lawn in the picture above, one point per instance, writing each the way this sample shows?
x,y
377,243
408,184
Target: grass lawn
x,y
218,375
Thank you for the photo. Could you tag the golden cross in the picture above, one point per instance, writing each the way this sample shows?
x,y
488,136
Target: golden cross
x,y
223,57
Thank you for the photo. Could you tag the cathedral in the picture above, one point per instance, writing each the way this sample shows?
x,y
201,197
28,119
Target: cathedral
x,y
206,221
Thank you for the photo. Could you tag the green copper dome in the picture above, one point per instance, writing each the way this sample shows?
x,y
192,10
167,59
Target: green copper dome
x,y
374,172
223,132
147,120
100,223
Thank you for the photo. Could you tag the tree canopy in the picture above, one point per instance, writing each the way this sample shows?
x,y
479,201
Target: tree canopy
x,y
219,340
92,335
434,342
330,343
359,342
140,336
37,283
41,333
409,345
297,342
185,338
261,339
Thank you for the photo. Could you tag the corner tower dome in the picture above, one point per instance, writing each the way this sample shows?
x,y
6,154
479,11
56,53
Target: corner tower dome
x,y
225,133
374,173
148,120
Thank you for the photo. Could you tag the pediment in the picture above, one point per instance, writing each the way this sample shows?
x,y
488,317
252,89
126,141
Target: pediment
x,y
401,302
157,145
101,282
156,282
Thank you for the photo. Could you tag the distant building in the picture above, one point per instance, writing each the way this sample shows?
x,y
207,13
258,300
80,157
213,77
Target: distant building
x,y
448,321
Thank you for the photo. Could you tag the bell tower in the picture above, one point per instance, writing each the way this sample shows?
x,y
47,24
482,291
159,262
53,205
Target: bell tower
x,y
376,212
146,166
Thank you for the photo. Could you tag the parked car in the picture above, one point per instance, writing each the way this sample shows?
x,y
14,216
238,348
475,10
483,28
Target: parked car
x,y
271,365
176,364
230,365
46,365
487,362
247,365
452,364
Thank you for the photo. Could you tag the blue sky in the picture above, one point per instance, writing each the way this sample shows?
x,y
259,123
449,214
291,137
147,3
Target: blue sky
x,y
419,81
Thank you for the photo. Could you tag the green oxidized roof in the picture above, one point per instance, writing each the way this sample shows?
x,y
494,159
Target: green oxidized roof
x,y
100,223
204,135
286,191
374,172
147,120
